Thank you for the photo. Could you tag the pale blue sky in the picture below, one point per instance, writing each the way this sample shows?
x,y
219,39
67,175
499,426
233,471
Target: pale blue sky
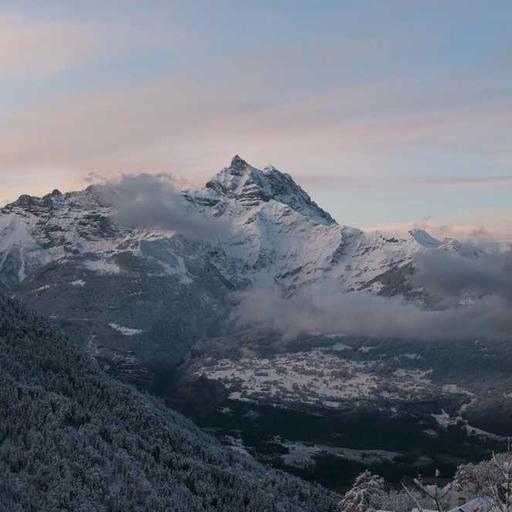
x,y
391,113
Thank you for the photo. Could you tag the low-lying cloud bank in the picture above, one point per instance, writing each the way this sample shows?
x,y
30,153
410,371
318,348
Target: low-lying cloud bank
x,y
473,299
454,277
154,202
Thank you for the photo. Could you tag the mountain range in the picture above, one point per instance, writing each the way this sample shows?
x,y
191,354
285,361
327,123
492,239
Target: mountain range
x,y
138,296
247,306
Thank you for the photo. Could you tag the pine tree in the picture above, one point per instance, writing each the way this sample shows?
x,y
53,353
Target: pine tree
x,y
365,495
501,490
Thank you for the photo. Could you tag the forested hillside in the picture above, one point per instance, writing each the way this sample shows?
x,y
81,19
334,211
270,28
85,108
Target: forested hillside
x,y
72,439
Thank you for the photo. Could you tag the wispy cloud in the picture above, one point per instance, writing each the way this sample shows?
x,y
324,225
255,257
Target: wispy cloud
x,y
182,117
489,226
326,308
354,181
145,201
35,48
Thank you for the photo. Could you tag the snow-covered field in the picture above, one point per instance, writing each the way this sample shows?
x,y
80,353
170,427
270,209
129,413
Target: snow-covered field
x,y
125,331
300,454
316,378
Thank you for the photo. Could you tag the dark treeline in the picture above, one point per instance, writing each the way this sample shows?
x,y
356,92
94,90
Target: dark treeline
x,y
72,439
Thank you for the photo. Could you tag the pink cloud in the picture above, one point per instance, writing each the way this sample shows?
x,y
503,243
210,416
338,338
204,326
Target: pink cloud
x,y
31,48
480,225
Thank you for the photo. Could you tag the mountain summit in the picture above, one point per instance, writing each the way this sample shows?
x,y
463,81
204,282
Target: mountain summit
x,y
251,186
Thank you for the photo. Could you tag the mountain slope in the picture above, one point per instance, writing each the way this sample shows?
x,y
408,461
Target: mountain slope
x,y
72,439
276,228
138,297
280,235
134,297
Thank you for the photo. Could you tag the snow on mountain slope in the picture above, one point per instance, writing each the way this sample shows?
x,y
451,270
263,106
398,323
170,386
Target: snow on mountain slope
x,y
279,234
36,231
282,236
153,282
66,227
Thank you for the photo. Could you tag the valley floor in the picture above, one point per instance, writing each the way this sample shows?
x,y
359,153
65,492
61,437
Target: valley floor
x,y
327,409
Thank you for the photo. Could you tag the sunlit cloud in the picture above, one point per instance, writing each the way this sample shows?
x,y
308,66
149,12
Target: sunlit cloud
x,y
132,125
479,225
31,48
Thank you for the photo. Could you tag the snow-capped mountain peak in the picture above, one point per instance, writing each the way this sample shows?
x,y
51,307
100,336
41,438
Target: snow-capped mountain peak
x,y
250,187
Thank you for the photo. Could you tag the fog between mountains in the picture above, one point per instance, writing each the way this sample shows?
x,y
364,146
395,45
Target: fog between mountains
x,y
473,295
154,201
475,300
